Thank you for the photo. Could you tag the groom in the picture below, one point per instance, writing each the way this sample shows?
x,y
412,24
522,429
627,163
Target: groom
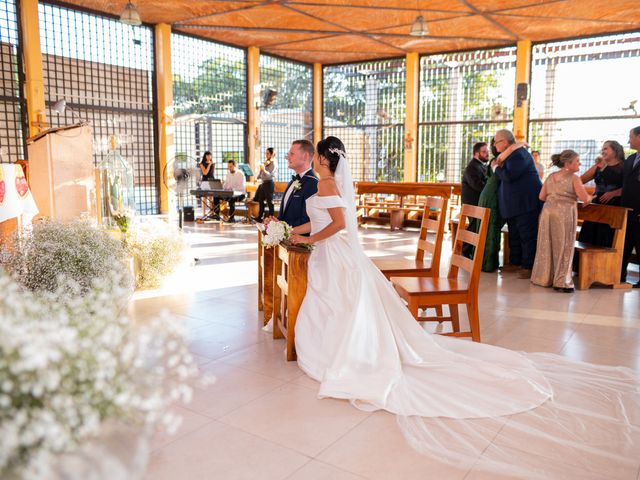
x,y
303,184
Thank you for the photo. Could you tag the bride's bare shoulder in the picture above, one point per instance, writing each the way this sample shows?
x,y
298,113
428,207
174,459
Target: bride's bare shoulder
x,y
327,187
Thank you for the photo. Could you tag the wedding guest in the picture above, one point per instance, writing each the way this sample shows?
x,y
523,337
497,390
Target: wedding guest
x,y
535,154
558,223
489,199
607,174
473,181
234,181
518,200
475,175
265,190
631,199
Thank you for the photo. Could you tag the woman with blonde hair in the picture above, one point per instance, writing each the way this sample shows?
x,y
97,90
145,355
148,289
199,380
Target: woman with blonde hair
x,y
558,223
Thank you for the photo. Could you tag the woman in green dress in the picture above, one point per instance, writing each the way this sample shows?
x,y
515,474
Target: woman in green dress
x,y
489,199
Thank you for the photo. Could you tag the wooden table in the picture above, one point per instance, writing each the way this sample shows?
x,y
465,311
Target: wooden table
x,y
290,287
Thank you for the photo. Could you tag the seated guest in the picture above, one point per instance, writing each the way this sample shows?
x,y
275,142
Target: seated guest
x,y
631,199
607,174
536,160
473,181
558,223
233,181
518,200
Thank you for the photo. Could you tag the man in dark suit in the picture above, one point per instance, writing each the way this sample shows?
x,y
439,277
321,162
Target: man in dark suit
x,y
631,199
303,184
518,201
475,174
473,180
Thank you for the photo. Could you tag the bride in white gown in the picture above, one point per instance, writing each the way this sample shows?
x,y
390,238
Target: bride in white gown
x,y
355,336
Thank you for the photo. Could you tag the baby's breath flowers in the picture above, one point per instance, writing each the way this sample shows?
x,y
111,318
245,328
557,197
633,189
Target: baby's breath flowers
x,y
76,250
158,248
70,363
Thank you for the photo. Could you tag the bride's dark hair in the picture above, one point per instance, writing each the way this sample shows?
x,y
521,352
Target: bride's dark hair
x,y
329,148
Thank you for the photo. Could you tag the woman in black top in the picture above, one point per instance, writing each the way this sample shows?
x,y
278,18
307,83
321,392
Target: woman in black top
x,y
607,175
206,167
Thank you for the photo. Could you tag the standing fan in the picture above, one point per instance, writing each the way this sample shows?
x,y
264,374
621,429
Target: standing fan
x,y
180,175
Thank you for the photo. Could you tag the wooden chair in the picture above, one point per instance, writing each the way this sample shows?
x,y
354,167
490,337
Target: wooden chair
x,y
453,290
433,221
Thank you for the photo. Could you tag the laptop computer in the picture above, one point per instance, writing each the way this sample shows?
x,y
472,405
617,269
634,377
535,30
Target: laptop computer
x,y
211,185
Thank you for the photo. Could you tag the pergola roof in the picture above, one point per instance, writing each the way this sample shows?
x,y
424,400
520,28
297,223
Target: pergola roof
x,y
337,31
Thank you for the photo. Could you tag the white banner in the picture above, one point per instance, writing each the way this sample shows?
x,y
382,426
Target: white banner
x,y
15,196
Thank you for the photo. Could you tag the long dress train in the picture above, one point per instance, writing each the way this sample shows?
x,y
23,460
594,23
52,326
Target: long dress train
x,y
355,336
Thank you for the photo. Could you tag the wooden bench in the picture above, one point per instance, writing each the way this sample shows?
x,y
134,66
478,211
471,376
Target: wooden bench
x,y
602,264
405,207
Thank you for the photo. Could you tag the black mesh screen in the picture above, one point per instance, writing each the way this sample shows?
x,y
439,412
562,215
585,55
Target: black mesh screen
x,y
209,94
584,92
11,105
464,99
286,107
104,71
364,106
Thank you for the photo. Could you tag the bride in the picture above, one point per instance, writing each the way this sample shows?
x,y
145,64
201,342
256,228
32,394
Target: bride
x,y
355,336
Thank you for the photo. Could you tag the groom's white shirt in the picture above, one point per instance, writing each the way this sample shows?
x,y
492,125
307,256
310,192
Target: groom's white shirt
x,y
290,191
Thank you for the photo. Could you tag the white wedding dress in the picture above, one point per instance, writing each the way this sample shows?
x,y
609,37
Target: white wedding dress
x,y
356,337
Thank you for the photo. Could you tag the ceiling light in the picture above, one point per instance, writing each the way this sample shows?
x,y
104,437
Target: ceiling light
x,y
419,27
130,15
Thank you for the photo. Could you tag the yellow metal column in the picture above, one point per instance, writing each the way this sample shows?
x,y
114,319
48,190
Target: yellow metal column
x,y
253,113
411,119
523,76
317,103
166,134
34,79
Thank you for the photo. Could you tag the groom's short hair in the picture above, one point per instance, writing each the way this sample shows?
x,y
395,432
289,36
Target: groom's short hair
x,y
306,146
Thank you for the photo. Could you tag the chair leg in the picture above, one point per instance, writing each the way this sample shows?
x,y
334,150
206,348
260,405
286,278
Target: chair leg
x,y
474,319
413,308
455,318
439,310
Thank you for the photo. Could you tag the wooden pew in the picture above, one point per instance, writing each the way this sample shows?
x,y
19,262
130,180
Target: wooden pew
x,y
252,207
266,263
602,264
290,287
397,212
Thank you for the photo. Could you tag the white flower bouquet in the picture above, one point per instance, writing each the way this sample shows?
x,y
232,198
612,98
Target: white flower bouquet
x,y
123,218
71,364
279,232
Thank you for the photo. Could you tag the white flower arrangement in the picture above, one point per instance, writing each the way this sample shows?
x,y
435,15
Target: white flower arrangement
x,y
71,364
158,248
123,218
77,250
279,232
296,185
275,233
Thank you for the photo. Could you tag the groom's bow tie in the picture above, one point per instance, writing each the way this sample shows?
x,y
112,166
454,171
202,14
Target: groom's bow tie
x,y
295,177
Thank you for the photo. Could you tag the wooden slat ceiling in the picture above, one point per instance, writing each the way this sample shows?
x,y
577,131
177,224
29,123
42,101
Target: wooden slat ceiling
x,y
338,31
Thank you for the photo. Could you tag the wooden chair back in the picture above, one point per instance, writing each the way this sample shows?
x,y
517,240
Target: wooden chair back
x,y
433,207
458,261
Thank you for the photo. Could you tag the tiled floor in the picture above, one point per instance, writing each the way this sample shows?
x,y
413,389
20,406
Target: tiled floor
x,y
261,418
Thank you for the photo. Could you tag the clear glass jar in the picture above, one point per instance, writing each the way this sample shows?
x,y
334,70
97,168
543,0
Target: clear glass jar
x,y
117,205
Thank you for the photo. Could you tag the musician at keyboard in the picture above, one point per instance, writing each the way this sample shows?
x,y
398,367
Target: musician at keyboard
x,y
235,182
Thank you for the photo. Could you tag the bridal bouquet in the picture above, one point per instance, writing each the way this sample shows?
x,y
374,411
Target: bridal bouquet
x,y
278,232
